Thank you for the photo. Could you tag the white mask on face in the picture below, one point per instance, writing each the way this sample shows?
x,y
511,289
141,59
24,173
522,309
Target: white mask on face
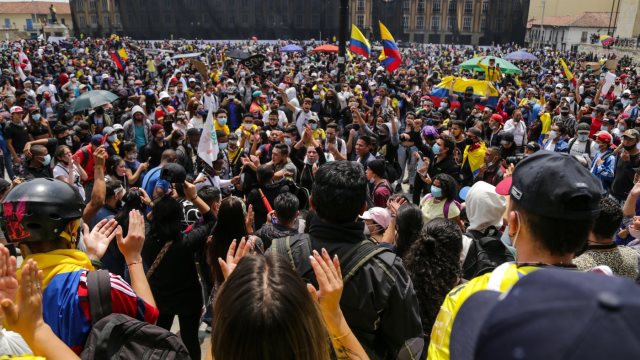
x,y
634,232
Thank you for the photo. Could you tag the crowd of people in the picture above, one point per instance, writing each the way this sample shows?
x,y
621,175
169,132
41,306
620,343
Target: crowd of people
x,y
348,214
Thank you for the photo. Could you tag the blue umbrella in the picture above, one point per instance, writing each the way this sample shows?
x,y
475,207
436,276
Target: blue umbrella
x,y
520,55
291,48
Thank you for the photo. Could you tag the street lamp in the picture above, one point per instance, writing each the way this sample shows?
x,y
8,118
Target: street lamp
x,y
342,36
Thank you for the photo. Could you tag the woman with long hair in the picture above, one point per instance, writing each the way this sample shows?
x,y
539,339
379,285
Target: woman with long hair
x,y
135,169
168,254
265,300
115,168
433,263
67,170
231,225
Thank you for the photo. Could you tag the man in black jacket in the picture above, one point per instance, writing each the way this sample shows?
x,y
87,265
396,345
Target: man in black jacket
x,y
378,299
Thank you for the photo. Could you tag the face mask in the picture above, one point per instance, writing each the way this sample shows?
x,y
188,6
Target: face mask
x,y
468,141
242,73
316,97
47,160
366,231
376,105
201,112
633,232
112,138
552,134
47,82
564,113
436,191
478,116
353,104
621,128
587,101
247,126
69,141
583,137
132,157
629,148
625,102
36,117
314,126
222,146
516,119
287,141
435,149
222,121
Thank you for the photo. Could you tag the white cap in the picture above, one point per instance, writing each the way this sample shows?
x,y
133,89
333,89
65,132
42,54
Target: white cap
x,y
192,79
117,127
15,109
314,75
105,76
626,92
164,95
379,68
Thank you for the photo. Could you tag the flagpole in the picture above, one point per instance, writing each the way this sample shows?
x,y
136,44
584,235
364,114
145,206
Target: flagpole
x,y
342,36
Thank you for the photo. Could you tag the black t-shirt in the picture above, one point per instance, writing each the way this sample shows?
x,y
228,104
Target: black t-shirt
x,y
18,134
623,180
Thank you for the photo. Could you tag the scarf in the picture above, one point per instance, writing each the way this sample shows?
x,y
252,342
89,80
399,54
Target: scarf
x,y
57,262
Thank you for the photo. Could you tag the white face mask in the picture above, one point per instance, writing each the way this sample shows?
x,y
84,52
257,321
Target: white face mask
x,y
633,232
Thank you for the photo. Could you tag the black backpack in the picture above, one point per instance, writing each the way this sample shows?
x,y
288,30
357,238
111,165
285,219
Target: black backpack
x,y
118,336
351,262
486,253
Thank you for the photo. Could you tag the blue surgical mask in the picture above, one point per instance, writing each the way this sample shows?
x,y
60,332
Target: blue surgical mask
x,y
436,192
222,121
314,126
583,137
436,149
201,112
316,97
587,101
36,117
112,138
47,160
222,146
604,128
287,141
47,82
621,128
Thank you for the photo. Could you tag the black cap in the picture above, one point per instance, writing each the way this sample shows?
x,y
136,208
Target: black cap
x,y
378,167
469,88
507,136
546,315
173,173
555,185
533,146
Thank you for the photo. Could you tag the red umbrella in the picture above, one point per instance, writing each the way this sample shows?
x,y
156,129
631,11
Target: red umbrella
x,y
326,48
254,38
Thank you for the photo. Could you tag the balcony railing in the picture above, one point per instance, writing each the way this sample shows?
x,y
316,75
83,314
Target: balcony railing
x,y
33,27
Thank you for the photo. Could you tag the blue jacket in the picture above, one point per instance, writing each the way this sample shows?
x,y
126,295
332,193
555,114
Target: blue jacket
x,y
561,146
604,171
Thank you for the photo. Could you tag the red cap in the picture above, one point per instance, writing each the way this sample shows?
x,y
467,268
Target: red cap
x,y
498,118
504,186
604,137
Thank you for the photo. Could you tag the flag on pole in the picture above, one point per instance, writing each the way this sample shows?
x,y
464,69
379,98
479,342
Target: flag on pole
x,y
567,73
392,59
123,54
117,60
358,43
208,146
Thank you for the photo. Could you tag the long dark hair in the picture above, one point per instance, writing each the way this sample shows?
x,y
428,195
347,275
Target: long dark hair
x,y
230,226
266,300
448,185
130,201
433,263
409,221
165,223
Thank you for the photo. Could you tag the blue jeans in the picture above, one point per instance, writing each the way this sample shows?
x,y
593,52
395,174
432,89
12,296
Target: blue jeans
x,y
405,155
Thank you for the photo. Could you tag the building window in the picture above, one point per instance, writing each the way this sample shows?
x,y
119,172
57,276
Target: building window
x,y
468,7
299,20
483,24
406,5
94,19
81,20
405,22
361,5
485,7
451,23
435,23
420,23
466,23
105,5
420,6
453,4
583,38
360,21
436,6
92,4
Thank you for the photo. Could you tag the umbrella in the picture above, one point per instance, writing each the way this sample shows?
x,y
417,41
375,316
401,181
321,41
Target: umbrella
x,y
92,99
326,48
520,55
505,66
238,54
607,40
291,48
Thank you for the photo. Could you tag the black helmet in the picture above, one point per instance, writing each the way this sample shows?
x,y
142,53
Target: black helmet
x,y
39,210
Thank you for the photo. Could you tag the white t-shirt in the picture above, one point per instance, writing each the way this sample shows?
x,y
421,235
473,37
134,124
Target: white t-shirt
x,y
61,171
196,123
282,117
214,181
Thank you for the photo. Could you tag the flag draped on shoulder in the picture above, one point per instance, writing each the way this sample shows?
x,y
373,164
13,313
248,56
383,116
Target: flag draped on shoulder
x,y
358,43
392,59
567,73
208,146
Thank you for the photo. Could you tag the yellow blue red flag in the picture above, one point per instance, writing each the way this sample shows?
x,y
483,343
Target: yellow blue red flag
x,y
358,43
392,59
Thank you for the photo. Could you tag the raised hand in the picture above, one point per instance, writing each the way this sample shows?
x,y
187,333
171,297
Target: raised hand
x,y
131,246
97,241
330,285
26,317
8,280
233,256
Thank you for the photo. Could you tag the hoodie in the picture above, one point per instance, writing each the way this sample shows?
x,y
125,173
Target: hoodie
x,y
484,207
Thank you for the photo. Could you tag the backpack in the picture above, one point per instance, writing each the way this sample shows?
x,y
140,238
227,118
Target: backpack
x,y
351,262
447,205
587,149
118,336
392,169
486,253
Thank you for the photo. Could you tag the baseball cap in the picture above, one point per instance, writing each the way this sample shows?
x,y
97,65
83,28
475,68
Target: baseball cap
x,y
497,117
174,173
604,137
96,140
631,133
164,95
107,130
533,146
117,127
555,185
378,167
551,314
475,131
380,216
16,109
583,127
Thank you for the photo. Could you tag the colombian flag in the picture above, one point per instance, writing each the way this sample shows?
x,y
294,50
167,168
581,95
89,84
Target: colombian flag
x,y
392,59
358,43
568,73
123,54
117,60
441,91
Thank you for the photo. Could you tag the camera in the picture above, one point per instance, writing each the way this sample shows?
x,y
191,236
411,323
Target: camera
x,y
514,159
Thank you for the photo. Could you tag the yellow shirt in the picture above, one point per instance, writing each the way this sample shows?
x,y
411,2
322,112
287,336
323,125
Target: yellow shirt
x,y
441,331
319,134
491,73
433,209
218,127
545,118
151,66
